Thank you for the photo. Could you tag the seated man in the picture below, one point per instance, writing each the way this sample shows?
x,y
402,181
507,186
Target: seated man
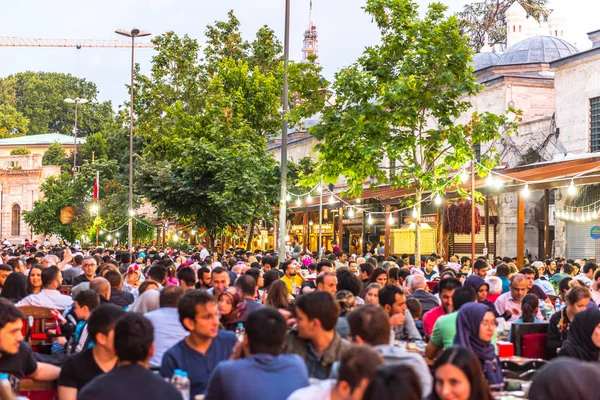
x,y
130,379
49,296
118,296
393,301
315,339
247,285
16,357
86,301
444,329
357,366
508,305
261,362
370,325
167,328
81,368
206,346
418,290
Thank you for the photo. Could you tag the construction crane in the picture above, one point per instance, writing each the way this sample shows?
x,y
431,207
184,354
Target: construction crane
x,y
10,41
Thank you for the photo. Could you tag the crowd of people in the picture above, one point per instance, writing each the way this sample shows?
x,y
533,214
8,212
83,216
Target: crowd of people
x,y
244,325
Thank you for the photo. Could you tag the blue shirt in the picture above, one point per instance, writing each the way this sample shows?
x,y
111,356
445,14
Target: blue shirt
x,y
505,284
168,331
258,377
198,366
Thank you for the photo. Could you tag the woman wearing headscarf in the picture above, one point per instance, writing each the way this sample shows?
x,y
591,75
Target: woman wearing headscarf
x,y
232,306
475,327
133,278
482,288
583,340
148,301
15,287
566,378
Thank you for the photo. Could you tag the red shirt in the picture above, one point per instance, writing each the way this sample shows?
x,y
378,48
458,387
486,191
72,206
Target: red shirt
x,y
493,297
430,317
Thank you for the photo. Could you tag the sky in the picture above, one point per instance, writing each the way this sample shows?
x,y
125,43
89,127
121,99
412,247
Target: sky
x,y
344,31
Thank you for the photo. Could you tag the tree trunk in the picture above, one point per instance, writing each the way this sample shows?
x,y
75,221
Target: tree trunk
x,y
250,235
418,197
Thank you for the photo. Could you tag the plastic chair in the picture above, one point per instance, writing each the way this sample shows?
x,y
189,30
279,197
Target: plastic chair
x,y
534,346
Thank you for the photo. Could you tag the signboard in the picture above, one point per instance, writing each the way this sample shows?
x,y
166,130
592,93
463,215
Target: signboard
x,y
427,219
595,232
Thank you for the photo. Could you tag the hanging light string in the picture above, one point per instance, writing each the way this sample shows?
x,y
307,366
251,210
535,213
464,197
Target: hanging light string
x,y
115,230
290,195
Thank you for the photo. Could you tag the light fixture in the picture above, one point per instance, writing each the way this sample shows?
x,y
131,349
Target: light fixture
x,y
589,216
437,200
357,201
490,181
351,212
288,197
573,216
391,219
310,223
287,238
101,232
370,220
526,190
175,237
331,199
108,237
193,231
319,189
94,208
464,176
571,191
131,213
309,199
415,214
117,234
299,202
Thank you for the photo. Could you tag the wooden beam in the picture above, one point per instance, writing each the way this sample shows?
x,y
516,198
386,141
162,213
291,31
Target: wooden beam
x,y
487,225
520,229
341,228
546,252
305,229
386,244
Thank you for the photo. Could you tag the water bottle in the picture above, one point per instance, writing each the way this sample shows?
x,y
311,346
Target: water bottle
x,y
184,385
557,305
5,387
176,377
542,310
240,332
294,288
392,336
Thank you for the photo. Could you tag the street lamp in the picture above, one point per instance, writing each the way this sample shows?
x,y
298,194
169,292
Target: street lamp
x,y
75,101
135,32
284,132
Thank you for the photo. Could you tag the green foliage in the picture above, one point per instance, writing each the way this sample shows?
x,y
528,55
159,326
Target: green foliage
x,y
95,144
20,151
401,101
56,155
66,190
12,122
39,96
488,17
206,123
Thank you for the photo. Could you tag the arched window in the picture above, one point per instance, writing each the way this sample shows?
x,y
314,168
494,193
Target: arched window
x,y
520,28
556,33
514,28
15,226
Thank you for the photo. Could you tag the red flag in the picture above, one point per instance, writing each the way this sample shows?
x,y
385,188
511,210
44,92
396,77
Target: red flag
x,y
96,186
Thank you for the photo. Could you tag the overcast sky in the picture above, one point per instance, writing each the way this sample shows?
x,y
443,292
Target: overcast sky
x,y
344,31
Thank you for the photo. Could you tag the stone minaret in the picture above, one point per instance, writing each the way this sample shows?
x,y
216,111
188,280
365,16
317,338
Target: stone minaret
x,y
311,39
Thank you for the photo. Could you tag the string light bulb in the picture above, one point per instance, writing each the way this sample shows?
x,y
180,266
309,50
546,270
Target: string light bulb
x,y
464,176
490,181
357,201
437,200
331,199
391,219
299,202
415,214
309,199
571,191
351,212
319,189
370,220
526,191
288,197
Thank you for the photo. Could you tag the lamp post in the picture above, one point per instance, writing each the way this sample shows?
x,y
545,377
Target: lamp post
x,y
135,32
284,131
75,101
95,209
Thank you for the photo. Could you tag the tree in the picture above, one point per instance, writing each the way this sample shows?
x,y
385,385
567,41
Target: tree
x,y
95,144
206,124
400,101
488,17
20,151
12,122
39,96
56,155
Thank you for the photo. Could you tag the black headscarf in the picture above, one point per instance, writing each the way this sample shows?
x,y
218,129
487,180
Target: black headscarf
x,y
579,342
566,378
15,287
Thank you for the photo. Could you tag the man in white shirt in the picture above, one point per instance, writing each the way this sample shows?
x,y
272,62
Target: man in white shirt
x,y
49,296
204,252
168,330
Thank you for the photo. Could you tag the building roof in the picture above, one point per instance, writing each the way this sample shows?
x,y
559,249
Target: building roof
x,y
484,60
537,49
40,140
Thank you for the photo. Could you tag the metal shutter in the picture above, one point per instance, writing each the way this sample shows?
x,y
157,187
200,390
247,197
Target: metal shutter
x,y
579,242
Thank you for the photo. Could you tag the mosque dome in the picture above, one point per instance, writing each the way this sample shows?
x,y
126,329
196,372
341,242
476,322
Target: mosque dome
x,y
484,60
537,49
